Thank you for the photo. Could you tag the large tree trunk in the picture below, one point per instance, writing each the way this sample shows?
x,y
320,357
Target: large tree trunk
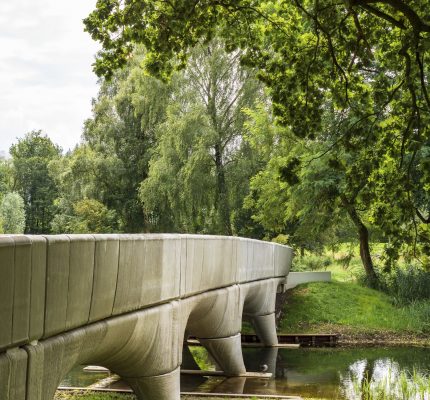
x,y
221,196
363,235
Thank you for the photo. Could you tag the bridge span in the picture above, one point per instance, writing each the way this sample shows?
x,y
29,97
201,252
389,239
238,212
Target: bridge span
x,y
126,302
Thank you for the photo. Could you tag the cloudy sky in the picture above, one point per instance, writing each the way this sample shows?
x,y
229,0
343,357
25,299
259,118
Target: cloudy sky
x,y
46,79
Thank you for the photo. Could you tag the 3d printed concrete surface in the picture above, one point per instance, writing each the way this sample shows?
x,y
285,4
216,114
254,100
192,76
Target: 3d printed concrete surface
x,y
126,302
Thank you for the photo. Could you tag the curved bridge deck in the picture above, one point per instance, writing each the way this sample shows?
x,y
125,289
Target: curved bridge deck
x,y
126,302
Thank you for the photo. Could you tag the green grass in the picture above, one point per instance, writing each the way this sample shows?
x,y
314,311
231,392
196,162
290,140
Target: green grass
x,y
343,305
340,274
347,306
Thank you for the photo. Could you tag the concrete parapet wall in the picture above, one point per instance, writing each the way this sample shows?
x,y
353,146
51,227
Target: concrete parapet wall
x,y
126,302
297,278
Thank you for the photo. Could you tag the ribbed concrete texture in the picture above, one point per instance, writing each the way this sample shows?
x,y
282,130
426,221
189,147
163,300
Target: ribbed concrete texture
x,y
126,302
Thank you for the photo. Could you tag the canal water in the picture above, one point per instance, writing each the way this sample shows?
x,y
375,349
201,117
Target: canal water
x,y
326,373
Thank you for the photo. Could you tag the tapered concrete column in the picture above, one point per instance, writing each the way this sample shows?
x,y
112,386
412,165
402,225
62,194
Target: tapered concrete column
x,y
227,353
161,387
265,328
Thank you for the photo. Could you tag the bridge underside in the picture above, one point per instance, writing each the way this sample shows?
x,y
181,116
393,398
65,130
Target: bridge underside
x,y
145,347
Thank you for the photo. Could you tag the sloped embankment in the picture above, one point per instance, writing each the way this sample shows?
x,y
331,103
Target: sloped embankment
x,y
359,314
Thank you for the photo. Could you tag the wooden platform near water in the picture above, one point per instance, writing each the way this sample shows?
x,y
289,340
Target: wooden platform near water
x,y
289,341
196,342
249,374
299,339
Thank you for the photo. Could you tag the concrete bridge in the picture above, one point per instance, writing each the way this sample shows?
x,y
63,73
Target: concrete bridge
x,y
126,302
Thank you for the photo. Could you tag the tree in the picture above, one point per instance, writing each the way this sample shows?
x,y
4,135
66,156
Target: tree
x,y
6,177
305,194
121,136
93,217
83,178
363,63
12,213
31,157
196,176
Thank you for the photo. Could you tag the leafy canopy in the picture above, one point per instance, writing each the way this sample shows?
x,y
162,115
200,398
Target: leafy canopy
x,y
349,76
31,157
12,214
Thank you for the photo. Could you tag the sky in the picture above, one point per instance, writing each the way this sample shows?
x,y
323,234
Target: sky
x,y
46,78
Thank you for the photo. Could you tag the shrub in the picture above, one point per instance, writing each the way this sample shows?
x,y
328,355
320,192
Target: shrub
x,y
406,285
12,213
409,285
311,262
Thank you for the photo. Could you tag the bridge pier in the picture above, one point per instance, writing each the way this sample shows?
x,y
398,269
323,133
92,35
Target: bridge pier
x,y
265,328
13,371
227,352
215,318
259,300
165,387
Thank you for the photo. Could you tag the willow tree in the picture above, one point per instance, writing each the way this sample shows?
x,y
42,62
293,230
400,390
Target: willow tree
x,y
194,168
120,137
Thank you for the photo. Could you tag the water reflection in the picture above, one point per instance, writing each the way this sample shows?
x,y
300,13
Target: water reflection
x,y
319,373
77,377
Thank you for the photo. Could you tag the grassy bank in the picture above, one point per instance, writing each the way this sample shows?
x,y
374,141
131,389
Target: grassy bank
x,y
360,314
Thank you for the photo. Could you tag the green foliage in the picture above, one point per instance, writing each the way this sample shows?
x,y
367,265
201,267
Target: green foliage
x,y
82,178
89,216
408,285
349,307
31,157
305,204
93,217
12,214
202,358
6,176
200,168
348,80
120,138
311,262
403,385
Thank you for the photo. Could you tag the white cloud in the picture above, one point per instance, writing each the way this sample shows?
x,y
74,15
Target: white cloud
x,y
46,78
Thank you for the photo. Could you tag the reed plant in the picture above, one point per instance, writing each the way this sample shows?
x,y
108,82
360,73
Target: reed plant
x,y
401,386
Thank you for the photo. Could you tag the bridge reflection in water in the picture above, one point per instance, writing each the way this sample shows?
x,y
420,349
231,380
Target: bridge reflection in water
x,y
126,302
329,373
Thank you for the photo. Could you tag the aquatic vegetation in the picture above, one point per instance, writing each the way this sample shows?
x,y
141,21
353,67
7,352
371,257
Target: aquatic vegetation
x,y
385,381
